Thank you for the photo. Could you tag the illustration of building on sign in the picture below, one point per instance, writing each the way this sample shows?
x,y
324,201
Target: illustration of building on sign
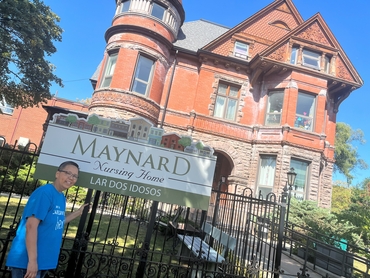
x,y
171,141
139,130
72,120
119,128
155,136
102,127
135,129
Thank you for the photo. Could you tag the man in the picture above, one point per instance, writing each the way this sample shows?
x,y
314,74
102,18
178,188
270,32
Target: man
x,y
36,246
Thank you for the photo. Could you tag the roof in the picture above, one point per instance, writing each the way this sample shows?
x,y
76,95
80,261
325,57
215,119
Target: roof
x,y
193,35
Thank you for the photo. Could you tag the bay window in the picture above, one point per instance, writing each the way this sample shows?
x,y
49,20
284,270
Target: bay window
x,y
274,108
305,111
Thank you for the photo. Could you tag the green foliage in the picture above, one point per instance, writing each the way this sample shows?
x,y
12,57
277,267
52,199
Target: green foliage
x,y
93,119
185,141
16,172
340,198
323,225
357,213
199,145
346,155
76,194
27,31
71,119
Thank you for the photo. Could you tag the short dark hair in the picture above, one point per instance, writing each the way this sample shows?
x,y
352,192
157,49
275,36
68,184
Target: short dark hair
x,y
66,163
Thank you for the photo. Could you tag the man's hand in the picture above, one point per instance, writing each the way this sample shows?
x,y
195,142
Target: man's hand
x,y
32,269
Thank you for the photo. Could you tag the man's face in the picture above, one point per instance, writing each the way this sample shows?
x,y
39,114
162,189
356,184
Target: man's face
x,y
66,177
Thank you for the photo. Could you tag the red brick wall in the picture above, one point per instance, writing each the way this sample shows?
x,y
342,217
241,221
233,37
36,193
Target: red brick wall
x,y
28,122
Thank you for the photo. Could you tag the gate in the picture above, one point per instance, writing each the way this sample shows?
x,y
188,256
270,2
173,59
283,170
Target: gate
x,y
124,236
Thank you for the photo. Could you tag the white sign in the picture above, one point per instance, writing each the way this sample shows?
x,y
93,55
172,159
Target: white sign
x,y
128,167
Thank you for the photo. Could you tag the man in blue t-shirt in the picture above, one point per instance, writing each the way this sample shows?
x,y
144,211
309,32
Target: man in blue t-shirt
x,y
36,246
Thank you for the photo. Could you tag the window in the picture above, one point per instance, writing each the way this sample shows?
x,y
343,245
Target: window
x,y
109,70
5,107
300,185
241,50
226,102
266,174
327,64
274,108
294,56
143,74
311,59
125,6
158,11
305,111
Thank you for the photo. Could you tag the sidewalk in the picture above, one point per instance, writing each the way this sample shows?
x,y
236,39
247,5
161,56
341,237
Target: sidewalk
x,y
292,266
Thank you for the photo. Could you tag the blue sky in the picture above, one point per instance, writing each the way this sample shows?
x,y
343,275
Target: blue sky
x,y
85,22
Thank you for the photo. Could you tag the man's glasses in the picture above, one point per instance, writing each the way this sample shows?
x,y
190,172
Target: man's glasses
x,y
69,174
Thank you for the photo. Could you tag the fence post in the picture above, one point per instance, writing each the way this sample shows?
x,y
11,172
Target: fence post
x,y
146,244
279,248
80,237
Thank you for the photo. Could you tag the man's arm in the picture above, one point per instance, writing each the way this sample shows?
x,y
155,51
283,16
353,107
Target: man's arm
x,y
31,245
75,214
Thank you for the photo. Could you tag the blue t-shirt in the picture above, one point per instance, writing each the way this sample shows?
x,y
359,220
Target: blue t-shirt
x,y
48,205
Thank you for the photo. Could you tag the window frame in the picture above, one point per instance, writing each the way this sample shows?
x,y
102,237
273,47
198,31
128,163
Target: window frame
x,y
123,5
136,80
306,54
276,114
302,120
111,62
271,177
155,4
225,105
5,108
239,54
294,192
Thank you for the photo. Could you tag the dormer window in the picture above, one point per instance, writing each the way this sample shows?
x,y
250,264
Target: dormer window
x,y
241,50
311,59
158,11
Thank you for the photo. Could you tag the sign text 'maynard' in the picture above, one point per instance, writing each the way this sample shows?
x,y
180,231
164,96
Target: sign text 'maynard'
x,y
179,166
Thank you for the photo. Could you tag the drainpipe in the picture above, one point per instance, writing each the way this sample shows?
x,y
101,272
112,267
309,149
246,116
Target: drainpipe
x,y
169,90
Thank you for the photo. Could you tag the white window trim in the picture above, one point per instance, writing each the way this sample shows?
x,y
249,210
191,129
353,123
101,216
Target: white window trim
x,y
308,54
146,82
239,55
110,60
5,107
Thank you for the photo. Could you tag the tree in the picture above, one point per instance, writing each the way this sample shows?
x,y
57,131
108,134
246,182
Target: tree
x,y
27,31
340,198
346,155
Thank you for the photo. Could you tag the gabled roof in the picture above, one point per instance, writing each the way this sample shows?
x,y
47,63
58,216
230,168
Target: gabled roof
x,y
316,33
262,28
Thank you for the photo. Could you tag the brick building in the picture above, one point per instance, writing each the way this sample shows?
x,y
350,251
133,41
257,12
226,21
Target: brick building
x,y
19,126
264,94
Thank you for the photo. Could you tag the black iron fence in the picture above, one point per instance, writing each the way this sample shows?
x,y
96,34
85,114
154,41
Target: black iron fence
x,y
124,236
